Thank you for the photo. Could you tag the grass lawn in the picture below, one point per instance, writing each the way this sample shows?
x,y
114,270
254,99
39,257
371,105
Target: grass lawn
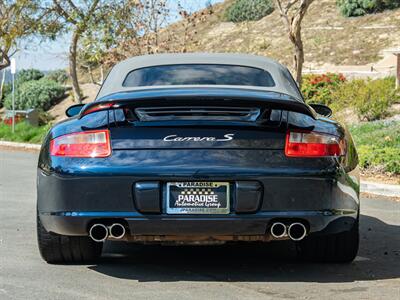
x,y
378,145
23,133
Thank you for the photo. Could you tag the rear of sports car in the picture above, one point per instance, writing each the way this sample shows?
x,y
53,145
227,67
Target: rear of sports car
x,y
197,165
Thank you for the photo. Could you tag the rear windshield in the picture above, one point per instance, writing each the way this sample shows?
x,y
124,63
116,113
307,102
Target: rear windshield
x,y
197,74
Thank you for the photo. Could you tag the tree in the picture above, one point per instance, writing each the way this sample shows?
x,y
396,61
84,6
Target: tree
x,y
78,16
292,13
136,27
153,16
132,29
3,80
18,19
101,44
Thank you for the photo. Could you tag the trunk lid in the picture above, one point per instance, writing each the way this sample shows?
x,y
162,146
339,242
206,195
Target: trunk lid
x,y
198,118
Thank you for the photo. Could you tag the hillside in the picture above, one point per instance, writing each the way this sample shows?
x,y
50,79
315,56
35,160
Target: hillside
x,y
89,90
329,38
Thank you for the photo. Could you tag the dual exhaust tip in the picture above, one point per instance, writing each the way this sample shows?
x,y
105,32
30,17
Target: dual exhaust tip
x,y
100,232
296,231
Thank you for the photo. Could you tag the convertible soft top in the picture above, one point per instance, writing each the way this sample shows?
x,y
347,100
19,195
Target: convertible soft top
x,y
281,76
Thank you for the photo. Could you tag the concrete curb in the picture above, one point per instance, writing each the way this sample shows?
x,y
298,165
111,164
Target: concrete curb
x,y
382,189
21,146
388,190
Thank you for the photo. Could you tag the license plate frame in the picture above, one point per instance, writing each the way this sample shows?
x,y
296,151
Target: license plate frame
x,y
208,201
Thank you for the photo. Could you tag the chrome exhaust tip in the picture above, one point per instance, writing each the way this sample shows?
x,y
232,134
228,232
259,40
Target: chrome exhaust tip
x,y
98,233
117,231
278,230
297,231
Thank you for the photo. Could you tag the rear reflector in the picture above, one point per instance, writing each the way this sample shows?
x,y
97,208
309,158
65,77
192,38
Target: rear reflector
x,y
313,144
94,143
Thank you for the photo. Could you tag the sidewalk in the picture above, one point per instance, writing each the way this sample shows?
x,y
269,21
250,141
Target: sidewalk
x,y
388,190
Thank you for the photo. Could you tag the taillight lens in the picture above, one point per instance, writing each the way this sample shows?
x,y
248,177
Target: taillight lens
x,y
94,143
313,144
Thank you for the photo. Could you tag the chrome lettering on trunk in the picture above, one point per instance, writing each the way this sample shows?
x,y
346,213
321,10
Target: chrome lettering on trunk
x,y
175,138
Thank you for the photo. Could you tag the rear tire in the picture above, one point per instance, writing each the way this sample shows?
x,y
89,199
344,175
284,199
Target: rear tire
x,y
334,248
59,249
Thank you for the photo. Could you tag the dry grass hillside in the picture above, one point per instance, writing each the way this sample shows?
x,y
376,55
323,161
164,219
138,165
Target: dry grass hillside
x,y
329,38
89,90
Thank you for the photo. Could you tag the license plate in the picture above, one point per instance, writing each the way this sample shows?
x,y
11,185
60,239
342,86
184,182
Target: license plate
x,y
197,198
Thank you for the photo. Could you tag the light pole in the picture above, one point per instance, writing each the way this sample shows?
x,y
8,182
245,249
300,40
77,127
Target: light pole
x,y
13,71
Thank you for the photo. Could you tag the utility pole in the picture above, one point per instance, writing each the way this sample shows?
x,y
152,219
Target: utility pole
x,y
13,71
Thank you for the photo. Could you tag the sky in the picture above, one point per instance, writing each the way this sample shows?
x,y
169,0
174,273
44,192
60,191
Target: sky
x,y
52,55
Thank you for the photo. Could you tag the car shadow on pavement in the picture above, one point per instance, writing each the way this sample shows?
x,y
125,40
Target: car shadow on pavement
x,y
378,258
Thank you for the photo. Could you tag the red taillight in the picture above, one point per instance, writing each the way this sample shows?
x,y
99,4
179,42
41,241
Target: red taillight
x,y
313,144
94,143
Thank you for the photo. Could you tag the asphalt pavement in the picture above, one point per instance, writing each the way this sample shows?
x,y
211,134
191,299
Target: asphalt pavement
x,y
205,272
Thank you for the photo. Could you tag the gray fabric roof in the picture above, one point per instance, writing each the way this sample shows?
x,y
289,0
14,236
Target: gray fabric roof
x,y
279,73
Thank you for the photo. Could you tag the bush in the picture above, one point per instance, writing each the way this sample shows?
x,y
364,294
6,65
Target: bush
x,y
22,76
319,88
378,145
371,99
382,159
28,75
40,94
60,76
355,8
248,10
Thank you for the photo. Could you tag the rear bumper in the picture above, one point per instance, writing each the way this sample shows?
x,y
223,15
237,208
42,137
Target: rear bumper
x,y
319,222
69,205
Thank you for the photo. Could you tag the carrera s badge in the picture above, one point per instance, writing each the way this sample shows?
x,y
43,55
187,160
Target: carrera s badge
x,y
175,138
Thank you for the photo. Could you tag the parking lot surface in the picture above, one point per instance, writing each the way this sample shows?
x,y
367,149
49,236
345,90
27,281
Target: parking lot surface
x,y
205,272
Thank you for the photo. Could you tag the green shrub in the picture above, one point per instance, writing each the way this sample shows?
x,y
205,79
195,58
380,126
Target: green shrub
x,y
60,76
378,145
355,8
40,94
319,88
22,77
248,10
371,99
28,75
386,159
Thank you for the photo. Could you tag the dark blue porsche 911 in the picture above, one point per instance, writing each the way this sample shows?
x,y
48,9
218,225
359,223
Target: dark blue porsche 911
x,y
198,149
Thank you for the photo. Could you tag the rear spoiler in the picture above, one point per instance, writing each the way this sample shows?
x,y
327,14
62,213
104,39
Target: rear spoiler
x,y
198,97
